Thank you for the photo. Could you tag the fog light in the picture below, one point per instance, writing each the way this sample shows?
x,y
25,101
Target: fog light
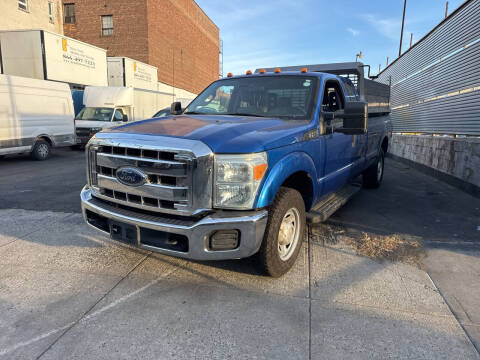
x,y
224,240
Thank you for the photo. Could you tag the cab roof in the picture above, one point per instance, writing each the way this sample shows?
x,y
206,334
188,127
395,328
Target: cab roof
x,y
282,73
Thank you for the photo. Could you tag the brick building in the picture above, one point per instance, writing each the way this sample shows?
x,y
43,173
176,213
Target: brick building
x,y
176,36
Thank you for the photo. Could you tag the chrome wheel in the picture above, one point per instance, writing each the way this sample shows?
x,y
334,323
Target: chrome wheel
x,y
288,234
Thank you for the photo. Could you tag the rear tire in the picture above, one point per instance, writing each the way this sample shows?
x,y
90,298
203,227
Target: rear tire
x,y
41,150
284,233
373,176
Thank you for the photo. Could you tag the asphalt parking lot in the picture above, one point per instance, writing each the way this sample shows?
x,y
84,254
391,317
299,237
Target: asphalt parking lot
x,y
67,291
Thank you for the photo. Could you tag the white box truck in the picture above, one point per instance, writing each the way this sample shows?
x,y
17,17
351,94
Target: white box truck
x,y
123,71
107,106
35,115
132,95
44,55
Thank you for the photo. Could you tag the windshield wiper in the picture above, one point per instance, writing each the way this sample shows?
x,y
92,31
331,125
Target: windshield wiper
x,y
195,113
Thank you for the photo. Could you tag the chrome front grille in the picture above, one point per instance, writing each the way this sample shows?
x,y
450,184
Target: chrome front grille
x,y
168,186
178,172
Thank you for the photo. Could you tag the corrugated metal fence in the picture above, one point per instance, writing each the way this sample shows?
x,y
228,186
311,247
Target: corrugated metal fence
x,y
435,85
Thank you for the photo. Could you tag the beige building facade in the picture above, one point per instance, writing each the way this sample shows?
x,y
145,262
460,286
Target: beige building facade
x,y
31,14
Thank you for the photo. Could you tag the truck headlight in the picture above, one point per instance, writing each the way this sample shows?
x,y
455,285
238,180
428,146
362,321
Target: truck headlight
x,y
237,178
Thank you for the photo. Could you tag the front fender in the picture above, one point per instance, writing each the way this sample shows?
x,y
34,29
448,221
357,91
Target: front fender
x,y
283,168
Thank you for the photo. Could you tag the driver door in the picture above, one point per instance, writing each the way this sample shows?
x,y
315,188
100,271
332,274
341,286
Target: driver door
x,y
339,148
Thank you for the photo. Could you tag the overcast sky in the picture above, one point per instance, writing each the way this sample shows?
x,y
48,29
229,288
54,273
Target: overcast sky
x,y
269,33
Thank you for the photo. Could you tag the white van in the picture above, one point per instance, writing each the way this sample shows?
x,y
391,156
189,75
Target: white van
x,y
35,115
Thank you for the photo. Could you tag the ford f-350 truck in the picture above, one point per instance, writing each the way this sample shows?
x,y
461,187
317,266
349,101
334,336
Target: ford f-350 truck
x,y
243,168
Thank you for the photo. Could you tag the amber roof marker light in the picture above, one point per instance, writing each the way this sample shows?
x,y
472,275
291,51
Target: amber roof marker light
x,y
249,72
304,70
229,75
277,70
262,71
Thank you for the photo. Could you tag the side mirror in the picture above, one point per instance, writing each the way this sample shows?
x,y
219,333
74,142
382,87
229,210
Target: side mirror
x,y
355,117
125,118
176,108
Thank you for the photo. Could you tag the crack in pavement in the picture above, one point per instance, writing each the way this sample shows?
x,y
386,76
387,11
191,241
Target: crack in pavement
x,y
476,349
309,299
84,318
67,329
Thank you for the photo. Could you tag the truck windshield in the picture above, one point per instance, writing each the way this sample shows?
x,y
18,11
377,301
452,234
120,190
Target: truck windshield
x,y
286,97
95,114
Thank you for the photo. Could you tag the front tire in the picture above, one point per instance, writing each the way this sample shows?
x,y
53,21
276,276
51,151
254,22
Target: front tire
x,y
373,176
284,234
41,150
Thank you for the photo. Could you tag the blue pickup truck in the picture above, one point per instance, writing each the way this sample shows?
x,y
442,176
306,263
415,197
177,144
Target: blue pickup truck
x,y
244,168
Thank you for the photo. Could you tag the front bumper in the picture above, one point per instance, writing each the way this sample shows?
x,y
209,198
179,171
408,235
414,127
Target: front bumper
x,y
147,230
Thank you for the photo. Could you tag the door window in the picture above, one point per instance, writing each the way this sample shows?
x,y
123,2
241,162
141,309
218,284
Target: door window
x,y
332,97
351,93
332,102
118,115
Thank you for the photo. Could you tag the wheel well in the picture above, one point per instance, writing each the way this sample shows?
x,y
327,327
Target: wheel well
x,y
385,145
46,138
302,182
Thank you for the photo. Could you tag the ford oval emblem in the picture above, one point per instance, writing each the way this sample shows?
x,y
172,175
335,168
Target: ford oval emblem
x,y
131,176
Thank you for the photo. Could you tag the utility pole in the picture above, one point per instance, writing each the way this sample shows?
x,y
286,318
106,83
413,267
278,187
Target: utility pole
x,y
220,59
446,9
411,39
403,23
379,68
387,60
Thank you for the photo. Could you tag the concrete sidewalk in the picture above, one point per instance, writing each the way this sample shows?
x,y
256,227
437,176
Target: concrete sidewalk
x,y
69,292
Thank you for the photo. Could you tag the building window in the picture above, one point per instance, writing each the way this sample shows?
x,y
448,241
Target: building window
x,y
69,11
50,11
23,5
107,25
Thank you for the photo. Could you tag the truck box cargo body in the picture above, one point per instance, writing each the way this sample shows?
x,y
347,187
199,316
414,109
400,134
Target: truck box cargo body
x,y
241,169
123,71
40,54
35,115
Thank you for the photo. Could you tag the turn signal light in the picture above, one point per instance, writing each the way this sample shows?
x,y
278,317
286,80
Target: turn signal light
x,y
249,72
259,171
229,75
304,70
277,70
262,71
